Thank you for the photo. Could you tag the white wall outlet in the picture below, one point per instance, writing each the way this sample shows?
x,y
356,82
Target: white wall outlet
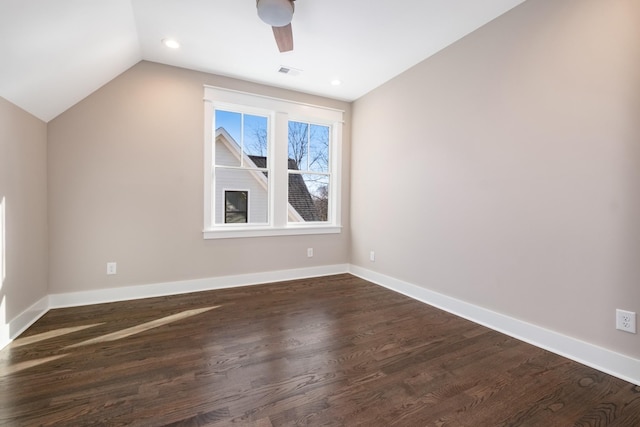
x,y
111,268
309,252
372,256
626,321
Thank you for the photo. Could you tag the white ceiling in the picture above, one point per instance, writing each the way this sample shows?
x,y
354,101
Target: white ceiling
x,y
54,53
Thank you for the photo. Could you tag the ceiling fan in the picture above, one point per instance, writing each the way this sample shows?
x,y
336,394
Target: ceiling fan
x,y
278,14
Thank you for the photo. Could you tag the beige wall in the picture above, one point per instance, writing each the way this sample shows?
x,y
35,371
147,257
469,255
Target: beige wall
x,y
126,185
23,187
505,170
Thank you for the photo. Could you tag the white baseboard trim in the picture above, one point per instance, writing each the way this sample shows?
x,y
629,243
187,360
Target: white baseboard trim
x,y
9,331
610,362
74,299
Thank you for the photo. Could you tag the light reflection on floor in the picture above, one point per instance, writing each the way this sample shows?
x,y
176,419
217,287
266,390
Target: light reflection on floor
x,y
143,327
8,368
12,368
19,342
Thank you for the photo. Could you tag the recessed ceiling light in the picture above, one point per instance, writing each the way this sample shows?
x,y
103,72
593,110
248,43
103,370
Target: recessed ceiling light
x,y
336,82
171,43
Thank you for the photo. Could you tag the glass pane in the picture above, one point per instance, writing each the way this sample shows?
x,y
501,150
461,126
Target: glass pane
x,y
237,134
231,122
255,139
308,197
236,201
235,218
230,207
298,146
319,148
236,206
227,151
228,138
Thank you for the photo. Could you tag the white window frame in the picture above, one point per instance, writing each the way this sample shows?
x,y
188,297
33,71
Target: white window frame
x,y
279,111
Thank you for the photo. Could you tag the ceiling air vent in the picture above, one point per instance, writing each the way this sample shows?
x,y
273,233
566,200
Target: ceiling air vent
x,y
290,71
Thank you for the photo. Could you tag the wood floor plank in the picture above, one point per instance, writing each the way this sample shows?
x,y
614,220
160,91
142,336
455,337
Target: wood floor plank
x,y
330,351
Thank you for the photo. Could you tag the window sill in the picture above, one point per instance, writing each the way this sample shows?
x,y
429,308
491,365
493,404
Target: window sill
x,y
233,233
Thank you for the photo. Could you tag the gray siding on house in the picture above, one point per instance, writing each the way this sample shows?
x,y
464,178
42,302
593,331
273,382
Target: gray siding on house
x,y
232,179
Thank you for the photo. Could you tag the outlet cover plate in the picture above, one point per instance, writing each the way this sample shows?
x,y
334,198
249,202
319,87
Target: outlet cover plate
x,y
626,321
111,268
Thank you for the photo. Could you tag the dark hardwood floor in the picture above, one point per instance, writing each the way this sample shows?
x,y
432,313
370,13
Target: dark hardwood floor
x,y
335,351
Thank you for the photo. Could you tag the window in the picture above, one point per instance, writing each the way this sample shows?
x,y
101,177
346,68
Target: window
x,y
241,161
272,167
235,207
309,175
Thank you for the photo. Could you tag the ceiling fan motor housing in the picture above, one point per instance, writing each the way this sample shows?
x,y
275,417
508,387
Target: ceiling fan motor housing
x,y
276,13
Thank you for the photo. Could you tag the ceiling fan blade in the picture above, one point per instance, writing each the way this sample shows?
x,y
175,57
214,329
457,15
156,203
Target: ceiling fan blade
x,y
284,37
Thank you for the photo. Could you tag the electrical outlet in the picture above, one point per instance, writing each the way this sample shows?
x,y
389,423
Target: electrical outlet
x,y
372,256
626,321
111,268
309,252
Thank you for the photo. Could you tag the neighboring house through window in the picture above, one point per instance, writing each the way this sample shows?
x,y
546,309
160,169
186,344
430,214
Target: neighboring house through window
x,y
234,168
272,166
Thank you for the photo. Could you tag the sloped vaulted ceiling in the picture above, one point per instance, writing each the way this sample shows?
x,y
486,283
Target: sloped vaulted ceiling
x,y
54,53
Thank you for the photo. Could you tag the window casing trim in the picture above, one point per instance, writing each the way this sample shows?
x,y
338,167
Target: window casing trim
x,y
279,111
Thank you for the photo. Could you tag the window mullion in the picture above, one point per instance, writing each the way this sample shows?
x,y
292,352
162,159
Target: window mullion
x,y
279,158
242,140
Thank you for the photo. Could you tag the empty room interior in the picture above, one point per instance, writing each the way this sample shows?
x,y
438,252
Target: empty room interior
x,y
315,212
